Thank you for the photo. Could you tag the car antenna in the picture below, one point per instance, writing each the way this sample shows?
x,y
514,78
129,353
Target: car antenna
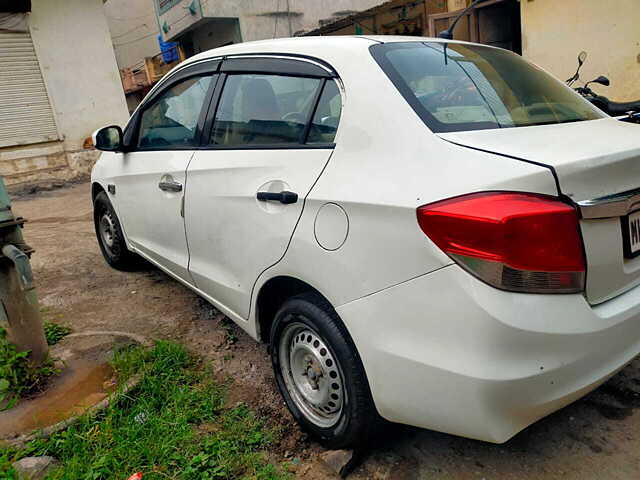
x,y
448,33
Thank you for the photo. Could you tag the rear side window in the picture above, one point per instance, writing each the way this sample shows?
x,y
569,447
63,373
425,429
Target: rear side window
x,y
172,119
455,87
327,115
258,109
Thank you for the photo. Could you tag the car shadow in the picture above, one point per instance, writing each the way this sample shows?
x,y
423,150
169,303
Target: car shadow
x,y
597,424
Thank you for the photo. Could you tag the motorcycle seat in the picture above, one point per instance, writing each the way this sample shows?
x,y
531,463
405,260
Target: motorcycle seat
x,y
620,108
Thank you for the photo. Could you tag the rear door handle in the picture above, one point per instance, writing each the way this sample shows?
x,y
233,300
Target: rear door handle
x,y
170,186
282,197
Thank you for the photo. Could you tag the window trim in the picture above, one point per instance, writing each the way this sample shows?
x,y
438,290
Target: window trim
x,y
194,70
271,146
274,65
270,64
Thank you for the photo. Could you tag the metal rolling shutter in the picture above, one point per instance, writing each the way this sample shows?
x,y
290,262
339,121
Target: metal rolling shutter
x,y
26,115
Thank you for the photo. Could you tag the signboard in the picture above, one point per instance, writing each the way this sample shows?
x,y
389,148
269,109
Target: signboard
x,y
175,16
164,5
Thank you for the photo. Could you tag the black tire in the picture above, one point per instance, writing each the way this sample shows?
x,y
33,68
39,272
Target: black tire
x,y
358,418
116,253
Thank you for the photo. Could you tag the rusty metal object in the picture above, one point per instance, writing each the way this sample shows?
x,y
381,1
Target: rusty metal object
x,y
19,309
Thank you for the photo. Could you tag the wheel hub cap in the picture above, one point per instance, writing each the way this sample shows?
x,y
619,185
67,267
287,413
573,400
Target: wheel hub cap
x,y
107,230
312,375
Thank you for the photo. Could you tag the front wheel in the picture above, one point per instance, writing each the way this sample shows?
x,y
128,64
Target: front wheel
x,y
320,375
110,238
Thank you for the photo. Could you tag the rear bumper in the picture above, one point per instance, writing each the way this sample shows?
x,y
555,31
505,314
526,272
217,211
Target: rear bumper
x,y
446,352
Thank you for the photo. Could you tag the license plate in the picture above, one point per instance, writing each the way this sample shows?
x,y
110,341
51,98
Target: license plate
x,y
632,234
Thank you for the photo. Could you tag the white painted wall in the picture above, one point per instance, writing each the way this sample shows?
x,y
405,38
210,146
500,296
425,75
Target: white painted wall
x,y
134,29
554,32
73,45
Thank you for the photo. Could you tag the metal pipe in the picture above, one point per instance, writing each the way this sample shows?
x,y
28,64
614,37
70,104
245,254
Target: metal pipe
x,y
19,309
22,265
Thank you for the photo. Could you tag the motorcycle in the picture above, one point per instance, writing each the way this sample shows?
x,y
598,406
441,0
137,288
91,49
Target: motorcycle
x,y
630,111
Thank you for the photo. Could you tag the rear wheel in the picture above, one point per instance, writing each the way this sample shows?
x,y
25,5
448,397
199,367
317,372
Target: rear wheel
x,y
319,373
110,238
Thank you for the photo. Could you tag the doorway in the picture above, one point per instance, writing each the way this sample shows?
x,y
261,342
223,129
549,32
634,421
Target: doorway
x,y
495,22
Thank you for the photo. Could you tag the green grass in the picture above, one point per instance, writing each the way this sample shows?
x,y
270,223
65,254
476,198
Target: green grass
x,y
172,425
54,332
18,376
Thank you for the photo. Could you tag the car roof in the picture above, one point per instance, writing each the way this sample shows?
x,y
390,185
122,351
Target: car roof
x,y
319,47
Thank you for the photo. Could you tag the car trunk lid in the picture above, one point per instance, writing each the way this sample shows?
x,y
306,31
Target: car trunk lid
x,y
597,164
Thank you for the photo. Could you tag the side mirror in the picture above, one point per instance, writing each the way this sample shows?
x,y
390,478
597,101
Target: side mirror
x,y
602,80
108,139
582,57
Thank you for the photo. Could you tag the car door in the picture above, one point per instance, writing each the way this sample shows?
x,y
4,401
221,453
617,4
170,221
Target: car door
x,y
272,134
150,188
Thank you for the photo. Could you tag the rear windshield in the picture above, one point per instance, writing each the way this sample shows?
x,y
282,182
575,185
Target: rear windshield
x,y
456,87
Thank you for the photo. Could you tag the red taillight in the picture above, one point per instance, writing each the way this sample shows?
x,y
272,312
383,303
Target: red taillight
x,y
515,241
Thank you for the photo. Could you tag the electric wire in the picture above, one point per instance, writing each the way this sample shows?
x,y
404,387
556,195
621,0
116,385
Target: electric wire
x,y
130,31
275,28
202,4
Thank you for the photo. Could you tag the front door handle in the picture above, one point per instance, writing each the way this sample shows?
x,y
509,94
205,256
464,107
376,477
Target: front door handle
x,y
170,186
282,197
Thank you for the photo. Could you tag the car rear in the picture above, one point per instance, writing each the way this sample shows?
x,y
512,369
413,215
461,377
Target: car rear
x,y
538,304
597,167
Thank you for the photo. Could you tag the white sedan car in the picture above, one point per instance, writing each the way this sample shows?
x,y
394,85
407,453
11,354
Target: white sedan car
x,y
436,233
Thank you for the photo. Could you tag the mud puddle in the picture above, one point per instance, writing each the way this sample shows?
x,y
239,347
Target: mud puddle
x,y
82,385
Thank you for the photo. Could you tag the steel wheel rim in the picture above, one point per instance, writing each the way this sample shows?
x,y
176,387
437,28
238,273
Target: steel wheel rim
x,y
107,230
312,375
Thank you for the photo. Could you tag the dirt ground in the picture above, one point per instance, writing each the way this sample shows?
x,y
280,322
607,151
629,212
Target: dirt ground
x,y
596,438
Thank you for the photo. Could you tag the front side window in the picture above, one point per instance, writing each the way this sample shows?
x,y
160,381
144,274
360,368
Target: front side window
x,y
456,87
258,109
172,119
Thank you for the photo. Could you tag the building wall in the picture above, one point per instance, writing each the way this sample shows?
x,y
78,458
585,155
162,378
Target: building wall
x,y
259,19
453,5
329,10
393,17
134,30
73,46
28,165
215,33
554,32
